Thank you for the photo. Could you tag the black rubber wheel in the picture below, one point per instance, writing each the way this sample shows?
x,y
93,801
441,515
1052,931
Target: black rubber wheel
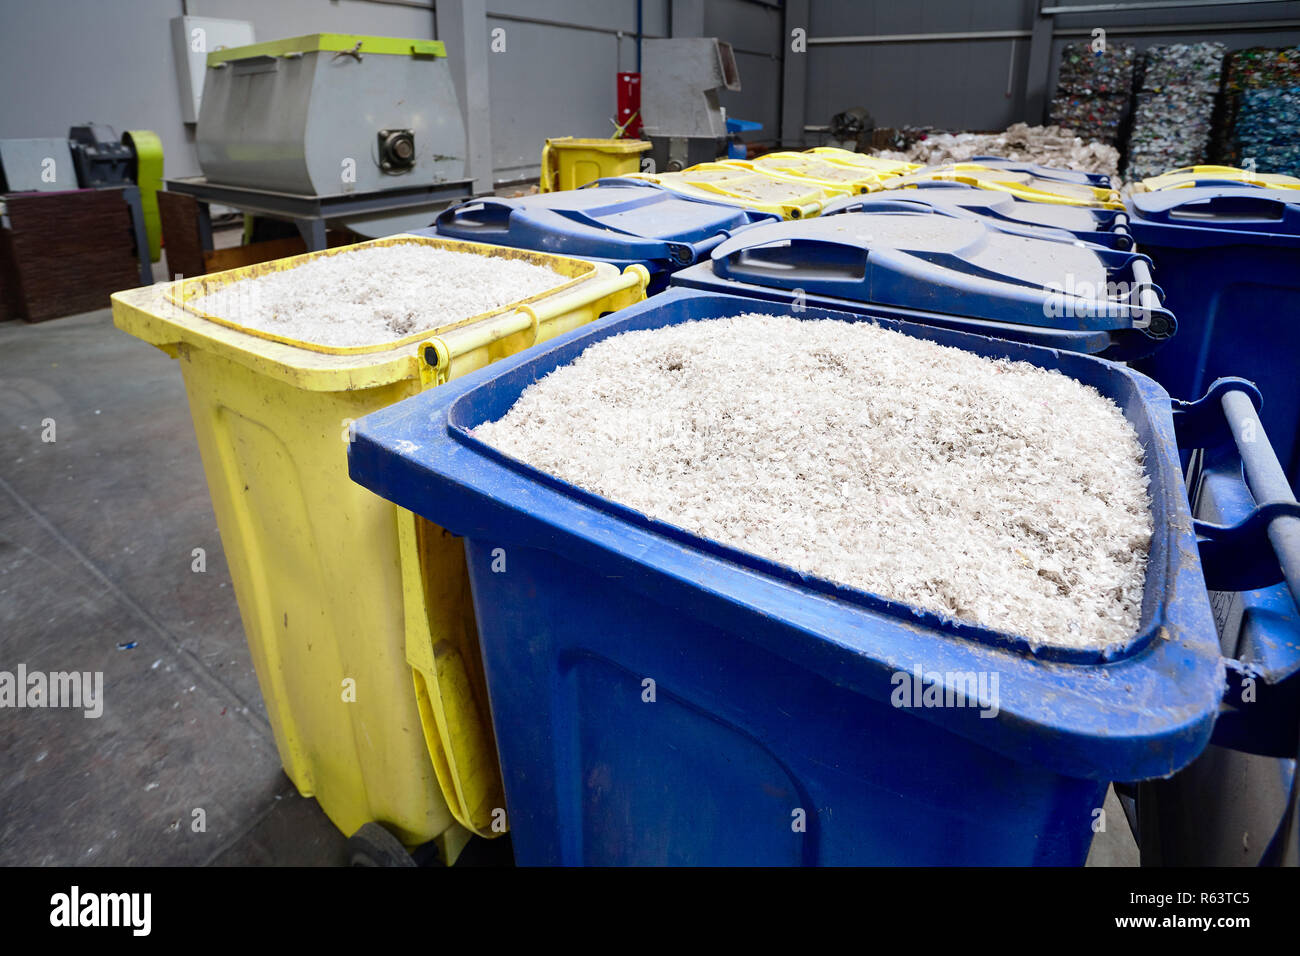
x,y
373,845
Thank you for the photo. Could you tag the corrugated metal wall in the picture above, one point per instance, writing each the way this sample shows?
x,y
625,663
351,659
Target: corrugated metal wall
x,y
961,84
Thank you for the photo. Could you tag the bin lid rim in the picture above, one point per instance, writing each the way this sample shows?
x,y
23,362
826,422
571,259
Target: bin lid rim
x,y
1161,202
962,265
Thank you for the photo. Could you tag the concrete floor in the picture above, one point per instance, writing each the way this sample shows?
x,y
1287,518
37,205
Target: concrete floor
x,y
97,531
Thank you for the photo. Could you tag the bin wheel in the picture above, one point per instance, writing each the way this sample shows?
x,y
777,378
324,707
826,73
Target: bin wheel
x,y
373,845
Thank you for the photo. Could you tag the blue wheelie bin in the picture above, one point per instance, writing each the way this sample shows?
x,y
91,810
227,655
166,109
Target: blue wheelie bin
x,y
901,201
947,269
1236,803
772,738
1228,260
1105,227
622,222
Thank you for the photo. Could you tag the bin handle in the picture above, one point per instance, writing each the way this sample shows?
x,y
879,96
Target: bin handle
x,y
622,181
440,355
836,262
455,734
902,206
1152,318
1262,549
547,183
1241,206
495,218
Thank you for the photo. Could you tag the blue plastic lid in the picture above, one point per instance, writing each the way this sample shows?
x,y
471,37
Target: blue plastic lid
x,y
1044,172
1208,215
904,201
611,220
1077,219
941,263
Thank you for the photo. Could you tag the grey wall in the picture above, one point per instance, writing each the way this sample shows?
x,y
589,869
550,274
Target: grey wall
x,y
960,85
556,77
755,31
63,62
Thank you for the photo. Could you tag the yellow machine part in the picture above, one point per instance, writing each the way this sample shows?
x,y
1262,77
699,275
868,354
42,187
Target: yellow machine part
x,y
148,176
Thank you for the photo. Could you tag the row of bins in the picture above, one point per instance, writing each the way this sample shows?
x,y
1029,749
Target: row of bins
x,y
978,268
1057,275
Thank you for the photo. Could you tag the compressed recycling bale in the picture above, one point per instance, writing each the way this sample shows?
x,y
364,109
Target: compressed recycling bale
x,y
1045,145
1258,68
1190,67
1092,90
989,491
1281,158
1261,67
376,294
1098,117
1170,130
1174,115
1269,116
1268,129
1089,72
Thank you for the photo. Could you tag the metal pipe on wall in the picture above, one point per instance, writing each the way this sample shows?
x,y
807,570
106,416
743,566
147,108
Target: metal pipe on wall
x,y
1148,5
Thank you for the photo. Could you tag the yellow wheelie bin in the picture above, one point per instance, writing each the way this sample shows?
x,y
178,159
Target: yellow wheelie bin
x,y
357,614
569,163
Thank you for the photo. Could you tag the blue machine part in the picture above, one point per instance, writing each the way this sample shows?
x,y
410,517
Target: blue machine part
x,y
735,145
947,269
1228,259
1105,227
773,689
617,221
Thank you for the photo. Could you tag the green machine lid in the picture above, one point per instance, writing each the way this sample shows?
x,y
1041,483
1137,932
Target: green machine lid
x,y
331,43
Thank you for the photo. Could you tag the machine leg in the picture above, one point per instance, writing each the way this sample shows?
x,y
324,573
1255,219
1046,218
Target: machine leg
x,y
132,196
313,233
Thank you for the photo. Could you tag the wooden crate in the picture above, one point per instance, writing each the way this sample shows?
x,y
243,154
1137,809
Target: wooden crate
x,y
65,253
187,255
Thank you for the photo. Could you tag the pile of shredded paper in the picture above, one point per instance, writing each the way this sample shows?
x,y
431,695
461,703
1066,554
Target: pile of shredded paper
x,y
1048,145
